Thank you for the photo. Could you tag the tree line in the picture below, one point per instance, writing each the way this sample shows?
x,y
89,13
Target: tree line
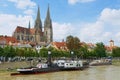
x,y
72,43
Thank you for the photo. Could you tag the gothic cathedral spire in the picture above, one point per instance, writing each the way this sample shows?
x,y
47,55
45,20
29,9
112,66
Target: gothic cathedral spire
x,y
38,23
38,27
48,15
48,33
29,31
29,25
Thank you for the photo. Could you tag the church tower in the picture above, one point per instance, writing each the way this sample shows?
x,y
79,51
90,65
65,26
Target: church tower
x,y
29,31
48,33
38,28
111,43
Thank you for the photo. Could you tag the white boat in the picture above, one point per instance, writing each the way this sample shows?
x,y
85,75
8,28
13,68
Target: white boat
x,y
66,65
101,62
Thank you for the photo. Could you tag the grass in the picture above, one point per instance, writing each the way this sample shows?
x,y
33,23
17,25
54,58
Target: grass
x,y
116,62
11,66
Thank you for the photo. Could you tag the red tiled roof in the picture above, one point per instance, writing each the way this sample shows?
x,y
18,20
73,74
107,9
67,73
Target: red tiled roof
x,y
111,41
8,39
60,45
21,29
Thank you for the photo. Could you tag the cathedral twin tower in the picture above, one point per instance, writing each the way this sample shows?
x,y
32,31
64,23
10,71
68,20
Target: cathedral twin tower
x,y
36,34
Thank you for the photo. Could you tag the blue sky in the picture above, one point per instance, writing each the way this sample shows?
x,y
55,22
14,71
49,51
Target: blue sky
x,y
90,20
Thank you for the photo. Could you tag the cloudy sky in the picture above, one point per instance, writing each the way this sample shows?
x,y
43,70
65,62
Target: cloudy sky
x,y
90,20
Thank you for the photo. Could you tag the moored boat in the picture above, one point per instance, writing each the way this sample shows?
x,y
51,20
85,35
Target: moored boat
x,y
40,68
56,65
101,62
68,65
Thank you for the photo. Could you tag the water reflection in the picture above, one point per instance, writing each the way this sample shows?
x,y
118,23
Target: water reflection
x,y
92,73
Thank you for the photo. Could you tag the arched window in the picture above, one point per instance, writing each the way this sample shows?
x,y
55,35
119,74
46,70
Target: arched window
x,y
46,32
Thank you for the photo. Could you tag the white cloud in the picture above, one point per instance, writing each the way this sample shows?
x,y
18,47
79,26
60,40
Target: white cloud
x,y
106,27
29,12
60,31
8,23
91,31
79,1
23,4
110,16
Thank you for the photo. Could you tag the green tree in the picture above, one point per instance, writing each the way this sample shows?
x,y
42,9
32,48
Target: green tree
x,y
116,52
1,51
100,50
9,51
73,43
84,51
43,52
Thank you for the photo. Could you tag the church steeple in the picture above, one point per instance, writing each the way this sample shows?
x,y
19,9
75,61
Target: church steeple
x,y
38,14
48,14
38,23
28,38
48,19
29,25
48,33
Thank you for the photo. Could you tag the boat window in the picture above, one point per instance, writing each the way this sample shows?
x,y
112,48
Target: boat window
x,y
77,65
62,63
71,64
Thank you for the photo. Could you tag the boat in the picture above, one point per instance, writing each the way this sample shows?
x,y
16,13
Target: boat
x,y
101,62
39,68
53,66
69,65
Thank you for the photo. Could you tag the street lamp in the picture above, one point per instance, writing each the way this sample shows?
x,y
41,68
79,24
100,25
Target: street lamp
x,y
72,53
49,52
49,58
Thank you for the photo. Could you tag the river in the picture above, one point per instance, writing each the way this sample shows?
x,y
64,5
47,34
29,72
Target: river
x,y
93,73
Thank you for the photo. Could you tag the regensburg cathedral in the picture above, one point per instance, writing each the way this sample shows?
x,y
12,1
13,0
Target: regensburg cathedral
x,y
38,34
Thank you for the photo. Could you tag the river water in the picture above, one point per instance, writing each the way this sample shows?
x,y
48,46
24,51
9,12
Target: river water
x,y
93,73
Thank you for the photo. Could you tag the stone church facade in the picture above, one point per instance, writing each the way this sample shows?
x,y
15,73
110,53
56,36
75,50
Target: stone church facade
x,y
36,34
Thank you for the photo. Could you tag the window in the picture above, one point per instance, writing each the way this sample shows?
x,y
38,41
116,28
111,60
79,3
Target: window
x,y
62,63
46,32
18,38
71,64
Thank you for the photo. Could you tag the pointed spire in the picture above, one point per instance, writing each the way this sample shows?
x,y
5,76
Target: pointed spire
x,y
48,13
29,25
38,23
38,14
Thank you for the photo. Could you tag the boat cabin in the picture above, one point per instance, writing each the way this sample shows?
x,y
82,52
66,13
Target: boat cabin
x,y
69,63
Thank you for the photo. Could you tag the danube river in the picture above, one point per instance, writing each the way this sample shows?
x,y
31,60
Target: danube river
x,y
93,73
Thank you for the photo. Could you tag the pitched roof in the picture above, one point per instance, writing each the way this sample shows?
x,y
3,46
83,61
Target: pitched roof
x,y
60,45
111,41
21,29
8,39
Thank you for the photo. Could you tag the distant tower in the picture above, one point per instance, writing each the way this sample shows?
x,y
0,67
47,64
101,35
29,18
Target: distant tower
x,y
29,31
48,32
111,43
38,27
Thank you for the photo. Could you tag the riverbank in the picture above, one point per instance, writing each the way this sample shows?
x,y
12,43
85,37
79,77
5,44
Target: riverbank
x,y
11,66
116,62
